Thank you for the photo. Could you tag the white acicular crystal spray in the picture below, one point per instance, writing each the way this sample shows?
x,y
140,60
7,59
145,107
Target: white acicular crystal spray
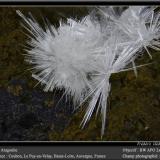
x,y
80,56
62,57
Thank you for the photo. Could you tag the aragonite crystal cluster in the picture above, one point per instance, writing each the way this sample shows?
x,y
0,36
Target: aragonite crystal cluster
x,y
80,55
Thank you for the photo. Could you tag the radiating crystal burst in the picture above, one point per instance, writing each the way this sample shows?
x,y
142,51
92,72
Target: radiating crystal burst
x,y
80,56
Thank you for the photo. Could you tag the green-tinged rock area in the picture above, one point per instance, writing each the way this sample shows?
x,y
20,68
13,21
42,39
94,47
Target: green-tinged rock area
x,y
29,113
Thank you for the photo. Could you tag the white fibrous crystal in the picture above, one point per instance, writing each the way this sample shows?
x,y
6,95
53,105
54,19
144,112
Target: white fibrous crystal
x,y
80,56
63,57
